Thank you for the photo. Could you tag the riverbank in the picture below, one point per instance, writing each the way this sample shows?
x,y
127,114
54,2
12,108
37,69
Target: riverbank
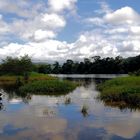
x,y
7,79
121,89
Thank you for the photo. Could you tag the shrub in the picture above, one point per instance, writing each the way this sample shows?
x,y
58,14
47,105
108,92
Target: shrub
x,y
16,66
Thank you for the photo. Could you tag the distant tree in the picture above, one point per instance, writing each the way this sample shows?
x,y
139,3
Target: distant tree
x,y
81,68
94,65
87,66
119,62
56,68
96,58
67,67
16,66
132,63
75,68
45,68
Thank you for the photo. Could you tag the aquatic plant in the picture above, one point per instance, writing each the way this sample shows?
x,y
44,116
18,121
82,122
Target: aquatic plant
x,y
84,110
67,100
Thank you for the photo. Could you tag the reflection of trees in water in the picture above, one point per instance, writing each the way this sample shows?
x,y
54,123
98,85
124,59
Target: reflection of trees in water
x,y
86,82
1,106
122,105
83,82
26,98
13,92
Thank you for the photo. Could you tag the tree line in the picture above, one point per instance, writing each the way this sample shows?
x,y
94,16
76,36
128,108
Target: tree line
x,y
94,65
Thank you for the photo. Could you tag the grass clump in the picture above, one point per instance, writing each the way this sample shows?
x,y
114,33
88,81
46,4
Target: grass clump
x,y
47,87
84,110
122,89
67,100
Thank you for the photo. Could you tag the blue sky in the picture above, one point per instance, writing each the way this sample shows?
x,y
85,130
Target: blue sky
x,y
50,30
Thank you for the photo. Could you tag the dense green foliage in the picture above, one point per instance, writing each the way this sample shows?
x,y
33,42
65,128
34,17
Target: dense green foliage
x,y
49,86
16,66
44,68
122,89
94,65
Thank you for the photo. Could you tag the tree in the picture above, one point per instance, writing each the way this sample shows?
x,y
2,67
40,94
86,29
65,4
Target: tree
x,y
16,66
56,68
96,58
45,68
68,67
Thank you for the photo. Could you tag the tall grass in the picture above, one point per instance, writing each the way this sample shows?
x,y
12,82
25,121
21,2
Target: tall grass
x,y
48,87
122,89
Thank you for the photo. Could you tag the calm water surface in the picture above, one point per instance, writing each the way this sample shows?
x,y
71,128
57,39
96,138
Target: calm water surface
x,y
53,118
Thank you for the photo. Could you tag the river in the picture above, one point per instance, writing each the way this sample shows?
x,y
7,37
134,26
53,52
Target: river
x,y
40,117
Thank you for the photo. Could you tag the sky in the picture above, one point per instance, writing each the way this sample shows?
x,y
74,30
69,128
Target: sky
x,y
57,30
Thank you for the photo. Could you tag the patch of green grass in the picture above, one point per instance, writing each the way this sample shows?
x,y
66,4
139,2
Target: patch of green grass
x,y
48,87
6,79
37,76
122,89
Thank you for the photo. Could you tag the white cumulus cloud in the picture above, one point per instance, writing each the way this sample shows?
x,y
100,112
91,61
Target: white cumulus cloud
x,y
53,21
125,15
60,5
41,34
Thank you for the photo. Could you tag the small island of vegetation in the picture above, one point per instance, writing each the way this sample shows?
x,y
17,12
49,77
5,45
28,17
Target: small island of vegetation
x,y
121,91
47,86
20,74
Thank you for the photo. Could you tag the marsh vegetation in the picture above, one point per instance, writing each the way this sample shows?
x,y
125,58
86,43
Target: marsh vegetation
x,y
123,90
48,87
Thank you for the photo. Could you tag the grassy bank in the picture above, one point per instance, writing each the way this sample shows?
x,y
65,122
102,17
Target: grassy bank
x,y
122,89
48,86
7,79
